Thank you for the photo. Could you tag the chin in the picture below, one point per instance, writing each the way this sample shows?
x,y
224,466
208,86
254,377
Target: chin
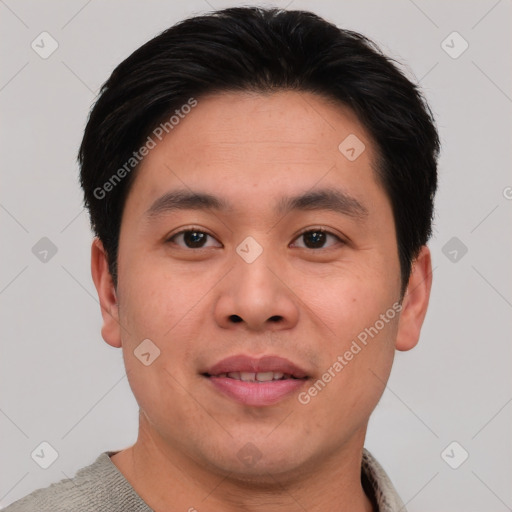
x,y
264,460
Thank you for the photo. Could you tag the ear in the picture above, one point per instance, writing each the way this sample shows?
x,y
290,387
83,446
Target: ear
x,y
111,330
415,302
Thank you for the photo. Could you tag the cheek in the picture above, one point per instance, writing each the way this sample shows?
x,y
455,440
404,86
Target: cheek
x,y
358,317
347,304
355,369
160,304
157,300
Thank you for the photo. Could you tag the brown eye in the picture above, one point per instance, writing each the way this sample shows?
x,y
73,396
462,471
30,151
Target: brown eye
x,y
192,239
316,239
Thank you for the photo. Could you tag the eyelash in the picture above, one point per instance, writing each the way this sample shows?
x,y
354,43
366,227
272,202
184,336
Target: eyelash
x,y
302,233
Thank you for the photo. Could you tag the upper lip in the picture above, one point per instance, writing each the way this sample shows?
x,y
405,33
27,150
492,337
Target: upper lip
x,y
243,363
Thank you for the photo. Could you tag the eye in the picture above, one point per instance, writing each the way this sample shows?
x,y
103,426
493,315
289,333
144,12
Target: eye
x,y
317,239
193,239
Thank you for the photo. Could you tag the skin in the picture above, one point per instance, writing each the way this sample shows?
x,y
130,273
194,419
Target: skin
x,y
252,149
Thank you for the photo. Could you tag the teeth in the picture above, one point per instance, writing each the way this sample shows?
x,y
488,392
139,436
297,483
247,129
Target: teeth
x,y
264,376
255,377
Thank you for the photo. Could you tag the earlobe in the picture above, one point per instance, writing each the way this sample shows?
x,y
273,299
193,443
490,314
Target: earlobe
x,y
110,331
415,303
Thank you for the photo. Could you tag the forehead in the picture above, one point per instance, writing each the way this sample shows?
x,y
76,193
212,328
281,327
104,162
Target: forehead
x,y
302,126
248,144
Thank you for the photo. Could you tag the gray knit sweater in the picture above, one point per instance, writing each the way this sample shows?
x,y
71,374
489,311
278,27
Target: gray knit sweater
x,y
102,487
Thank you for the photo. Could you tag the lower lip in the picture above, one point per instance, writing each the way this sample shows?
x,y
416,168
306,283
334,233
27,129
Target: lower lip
x,y
257,393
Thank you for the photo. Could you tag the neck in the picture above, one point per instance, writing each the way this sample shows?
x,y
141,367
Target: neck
x,y
164,476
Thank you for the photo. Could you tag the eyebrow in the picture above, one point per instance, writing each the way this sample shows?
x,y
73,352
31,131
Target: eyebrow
x,y
186,200
324,199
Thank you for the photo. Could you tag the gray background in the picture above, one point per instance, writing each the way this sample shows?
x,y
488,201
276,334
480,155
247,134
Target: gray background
x,y
62,384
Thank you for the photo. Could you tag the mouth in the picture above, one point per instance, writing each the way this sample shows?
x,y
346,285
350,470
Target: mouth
x,y
255,376
256,382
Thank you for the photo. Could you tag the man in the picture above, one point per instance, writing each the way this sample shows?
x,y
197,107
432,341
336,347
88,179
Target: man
x,y
261,185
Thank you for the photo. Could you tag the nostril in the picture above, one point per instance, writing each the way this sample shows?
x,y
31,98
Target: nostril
x,y
237,319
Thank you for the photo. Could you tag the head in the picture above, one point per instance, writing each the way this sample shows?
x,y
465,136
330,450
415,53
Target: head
x,y
260,123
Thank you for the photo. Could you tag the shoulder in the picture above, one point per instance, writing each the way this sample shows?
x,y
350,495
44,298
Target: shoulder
x,y
379,484
100,486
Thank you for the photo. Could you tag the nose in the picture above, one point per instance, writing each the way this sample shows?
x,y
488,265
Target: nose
x,y
257,296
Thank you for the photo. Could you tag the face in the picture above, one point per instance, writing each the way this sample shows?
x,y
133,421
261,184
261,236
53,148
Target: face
x,y
286,268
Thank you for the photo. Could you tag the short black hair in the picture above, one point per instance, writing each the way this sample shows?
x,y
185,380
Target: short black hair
x,y
261,50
